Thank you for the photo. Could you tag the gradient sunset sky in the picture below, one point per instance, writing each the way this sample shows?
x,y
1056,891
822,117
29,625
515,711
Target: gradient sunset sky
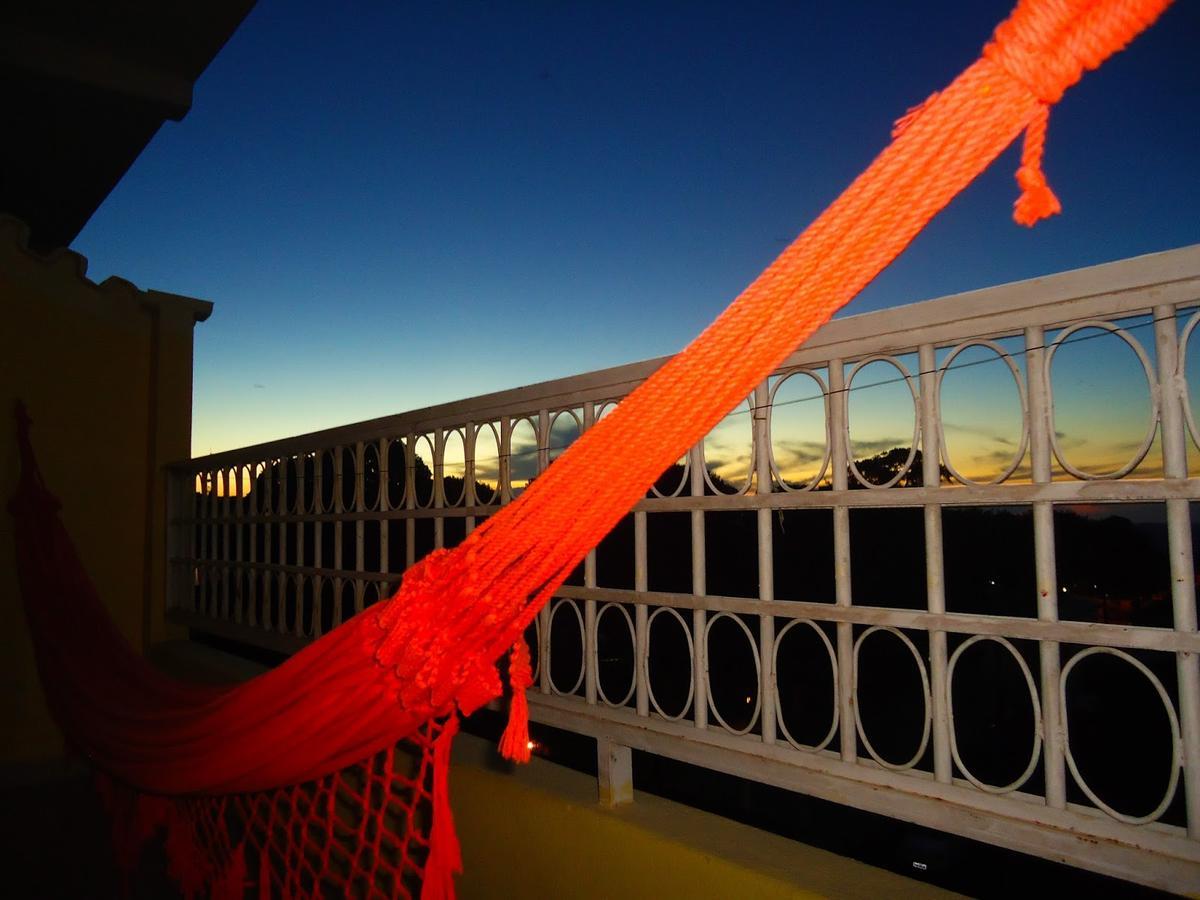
x,y
394,204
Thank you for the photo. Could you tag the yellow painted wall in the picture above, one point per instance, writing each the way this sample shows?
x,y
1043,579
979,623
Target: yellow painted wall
x,y
106,373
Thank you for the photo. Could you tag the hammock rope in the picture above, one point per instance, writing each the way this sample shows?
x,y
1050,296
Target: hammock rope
x,y
277,776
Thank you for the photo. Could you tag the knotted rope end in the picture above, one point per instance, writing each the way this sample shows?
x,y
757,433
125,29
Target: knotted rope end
x,y
1037,201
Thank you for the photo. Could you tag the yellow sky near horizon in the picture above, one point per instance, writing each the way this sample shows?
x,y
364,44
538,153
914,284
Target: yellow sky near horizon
x,y
1102,415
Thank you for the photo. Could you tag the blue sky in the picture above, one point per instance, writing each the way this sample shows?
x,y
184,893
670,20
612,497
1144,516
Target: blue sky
x,y
394,205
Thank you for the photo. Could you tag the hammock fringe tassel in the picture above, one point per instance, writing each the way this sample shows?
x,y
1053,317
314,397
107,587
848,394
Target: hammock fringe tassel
x,y
445,854
514,743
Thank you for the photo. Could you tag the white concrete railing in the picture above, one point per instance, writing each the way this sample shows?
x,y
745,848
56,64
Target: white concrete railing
x,y
934,637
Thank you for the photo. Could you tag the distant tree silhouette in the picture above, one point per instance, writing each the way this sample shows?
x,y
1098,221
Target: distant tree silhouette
x,y
673,482
883,467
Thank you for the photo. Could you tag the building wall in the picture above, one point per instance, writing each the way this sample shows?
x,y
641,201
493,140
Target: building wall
x,y
106,373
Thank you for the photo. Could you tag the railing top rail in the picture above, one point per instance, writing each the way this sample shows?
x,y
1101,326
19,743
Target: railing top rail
x,y
1170,276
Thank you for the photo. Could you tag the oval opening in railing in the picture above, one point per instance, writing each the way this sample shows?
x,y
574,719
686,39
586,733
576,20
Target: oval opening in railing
x,y
291,479
982,420
247,494
733,672
806,695
308,482
564,429
669,671
1189,368
729,452
348,479
370,475
397,474
799,431
881,424
522,456
423,470
486,463
615,642
454,467
275,482
673,481
1104,414
532,638
892,702
1122,733
328,480
995,713
566,647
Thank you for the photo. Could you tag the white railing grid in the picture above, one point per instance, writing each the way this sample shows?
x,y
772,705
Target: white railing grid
x,y
264,548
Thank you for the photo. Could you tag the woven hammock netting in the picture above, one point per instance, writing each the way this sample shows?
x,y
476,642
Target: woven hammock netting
x,y
328,775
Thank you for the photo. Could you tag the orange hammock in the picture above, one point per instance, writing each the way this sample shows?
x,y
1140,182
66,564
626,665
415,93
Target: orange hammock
x,y
290,784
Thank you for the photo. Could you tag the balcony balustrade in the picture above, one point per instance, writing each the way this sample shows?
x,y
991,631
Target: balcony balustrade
x,y
938,566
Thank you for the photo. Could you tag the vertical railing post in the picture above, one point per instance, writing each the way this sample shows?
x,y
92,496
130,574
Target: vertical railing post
x,y
385,523
641,616
1049,654
410,499
761,454
544,649
439,487
839,456
280,519
504,464
590,639
360,525
699,588
318,541
252,617
935,583
202,557
641,613
226,556
267,509
339,509
614,773
240,550
1171,375
301,555
470,498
